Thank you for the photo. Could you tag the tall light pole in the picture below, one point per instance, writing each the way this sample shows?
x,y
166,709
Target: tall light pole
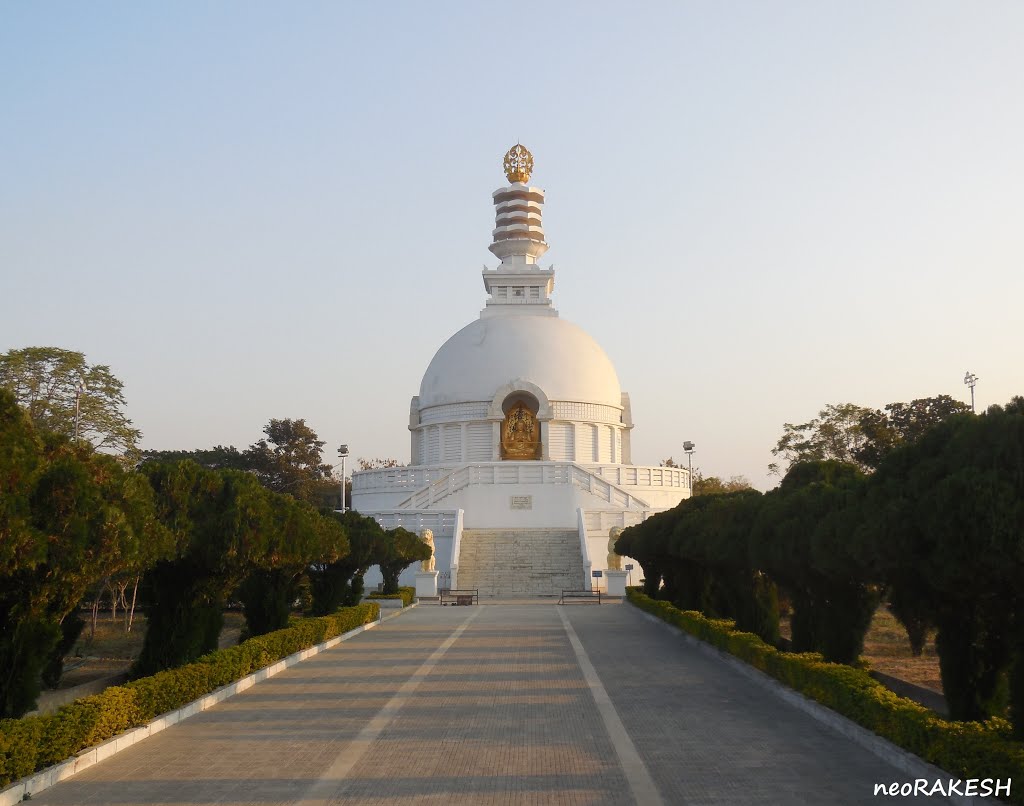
x,y
688,450
969,380
343,453
79,391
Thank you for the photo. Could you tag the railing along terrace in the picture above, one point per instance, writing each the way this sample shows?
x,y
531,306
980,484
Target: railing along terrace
x,y
389,478
456,479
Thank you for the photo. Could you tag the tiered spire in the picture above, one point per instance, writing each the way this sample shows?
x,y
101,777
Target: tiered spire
x,y
518,232
518,240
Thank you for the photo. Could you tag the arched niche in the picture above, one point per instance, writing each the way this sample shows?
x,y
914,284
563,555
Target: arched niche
x,y
512,391
518,409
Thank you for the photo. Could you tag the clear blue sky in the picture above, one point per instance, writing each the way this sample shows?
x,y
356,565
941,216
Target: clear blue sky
x,y
256,210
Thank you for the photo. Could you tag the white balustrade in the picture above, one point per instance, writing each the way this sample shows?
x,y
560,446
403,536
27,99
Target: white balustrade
x,y
603,481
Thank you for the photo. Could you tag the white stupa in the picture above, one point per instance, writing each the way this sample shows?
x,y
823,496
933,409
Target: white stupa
x,y
520,433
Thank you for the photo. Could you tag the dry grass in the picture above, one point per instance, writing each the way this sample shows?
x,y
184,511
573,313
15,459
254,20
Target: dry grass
x,y
887,650
111,650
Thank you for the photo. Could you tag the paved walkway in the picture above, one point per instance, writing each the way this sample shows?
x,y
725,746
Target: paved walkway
x,y
494,704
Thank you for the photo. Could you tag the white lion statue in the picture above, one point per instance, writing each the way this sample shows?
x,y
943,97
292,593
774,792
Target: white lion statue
x,y
427,536
614,560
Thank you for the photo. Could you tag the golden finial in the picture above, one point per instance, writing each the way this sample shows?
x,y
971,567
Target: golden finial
x,y
518,164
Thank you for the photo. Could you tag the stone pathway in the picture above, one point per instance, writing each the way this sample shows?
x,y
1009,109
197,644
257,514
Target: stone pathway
x,y
495,704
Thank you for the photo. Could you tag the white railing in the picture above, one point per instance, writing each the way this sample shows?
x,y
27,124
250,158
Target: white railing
x,y
456,550
546,473
602,521
597,486
641,476
398,478
416,477
448,484
584,549
443,523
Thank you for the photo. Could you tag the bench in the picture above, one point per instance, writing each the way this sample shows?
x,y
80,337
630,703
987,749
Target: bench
x,y
580,596
464,596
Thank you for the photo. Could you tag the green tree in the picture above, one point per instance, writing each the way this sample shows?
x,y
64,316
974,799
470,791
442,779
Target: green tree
x,y
340,583
217,458
946,518
378,463
69,517
400,550
217,518
901,423
713,530
836,433
802,539
290,460
713,485
648,544
46,380
296,537
229,529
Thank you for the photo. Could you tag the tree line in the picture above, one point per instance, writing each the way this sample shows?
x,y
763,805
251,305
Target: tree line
x,y
927,513
72,517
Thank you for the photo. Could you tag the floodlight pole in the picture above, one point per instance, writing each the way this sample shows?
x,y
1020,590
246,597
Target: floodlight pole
x,y
969,380
343,453
688,450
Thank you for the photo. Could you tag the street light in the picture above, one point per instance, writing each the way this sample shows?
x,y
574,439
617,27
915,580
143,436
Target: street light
x,y
79,391
343,453
688,450
970,380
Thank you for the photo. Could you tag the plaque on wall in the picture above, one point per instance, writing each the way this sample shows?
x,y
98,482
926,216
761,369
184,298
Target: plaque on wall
x,y
520,502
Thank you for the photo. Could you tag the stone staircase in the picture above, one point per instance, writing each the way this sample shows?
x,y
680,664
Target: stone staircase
x,y
512,563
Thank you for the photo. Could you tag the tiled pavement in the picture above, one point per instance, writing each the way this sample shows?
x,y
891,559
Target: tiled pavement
x,y
495,704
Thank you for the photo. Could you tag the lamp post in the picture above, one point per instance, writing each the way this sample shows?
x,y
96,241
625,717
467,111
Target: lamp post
x,y
688,450
343,453
969,380
79,391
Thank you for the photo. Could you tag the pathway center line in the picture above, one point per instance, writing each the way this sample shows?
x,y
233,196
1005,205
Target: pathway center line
x,y
640,782
326,786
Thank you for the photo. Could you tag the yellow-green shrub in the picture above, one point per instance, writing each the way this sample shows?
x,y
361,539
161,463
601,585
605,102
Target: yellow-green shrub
x,y
35,742
407,595
965,749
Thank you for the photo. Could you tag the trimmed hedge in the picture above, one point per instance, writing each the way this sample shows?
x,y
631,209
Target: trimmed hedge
x,y
964,749
36,742
407,595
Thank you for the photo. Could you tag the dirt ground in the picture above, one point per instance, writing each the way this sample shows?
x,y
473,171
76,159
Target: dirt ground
x,y
887,650
111,650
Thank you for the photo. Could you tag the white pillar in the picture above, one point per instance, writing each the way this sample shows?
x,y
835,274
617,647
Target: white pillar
x,y
426,583
615,582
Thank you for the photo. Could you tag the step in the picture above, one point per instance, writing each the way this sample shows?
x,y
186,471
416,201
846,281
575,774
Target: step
x,y
526,562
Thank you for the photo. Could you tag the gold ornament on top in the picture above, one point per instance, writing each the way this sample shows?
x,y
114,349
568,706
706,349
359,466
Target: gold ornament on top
x,y
518,164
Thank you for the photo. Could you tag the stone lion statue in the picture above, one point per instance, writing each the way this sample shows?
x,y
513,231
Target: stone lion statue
x,y
427,536
614,560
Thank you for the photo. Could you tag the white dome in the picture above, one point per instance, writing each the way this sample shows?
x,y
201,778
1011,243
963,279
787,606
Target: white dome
x,y
555,355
